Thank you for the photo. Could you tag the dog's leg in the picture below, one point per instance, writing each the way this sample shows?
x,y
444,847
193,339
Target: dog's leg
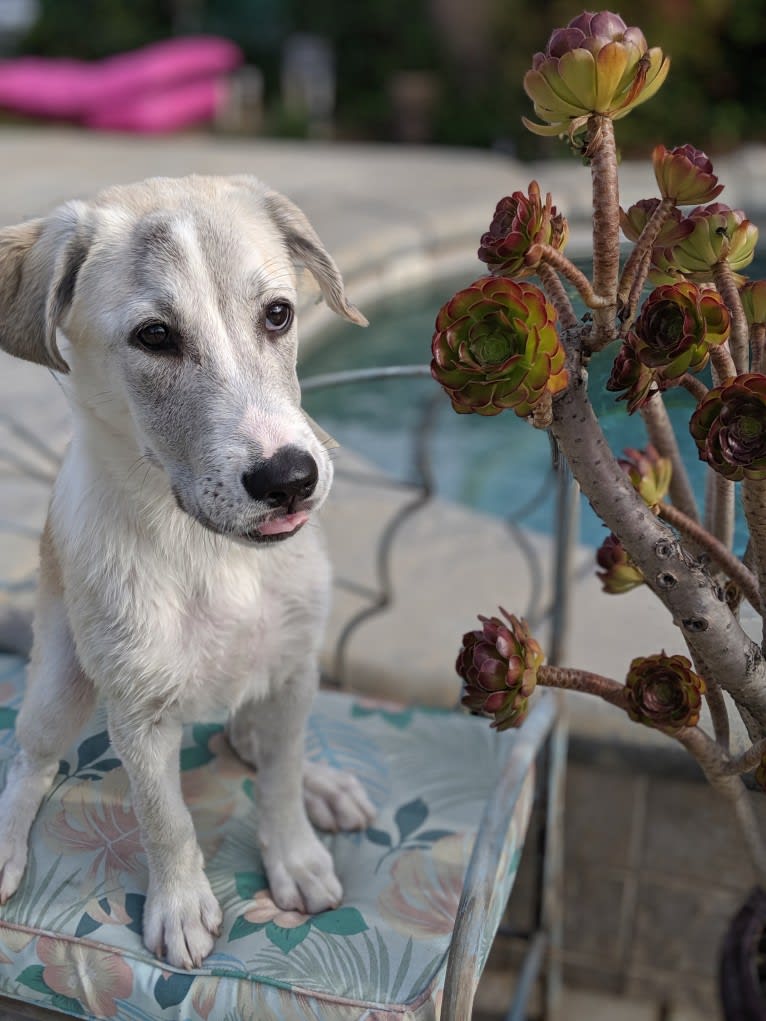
x,y
181,914
299,868
58,700
334,799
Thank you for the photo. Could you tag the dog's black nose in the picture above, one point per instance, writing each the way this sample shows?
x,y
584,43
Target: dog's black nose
x,y
284,480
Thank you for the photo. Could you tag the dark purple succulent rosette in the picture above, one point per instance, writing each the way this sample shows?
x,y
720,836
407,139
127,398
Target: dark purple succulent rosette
x,y
498,665
496,347
677,326
664,692
633,381
729,427
618,573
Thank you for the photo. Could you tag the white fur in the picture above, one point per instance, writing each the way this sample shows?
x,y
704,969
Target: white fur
x,y
152,595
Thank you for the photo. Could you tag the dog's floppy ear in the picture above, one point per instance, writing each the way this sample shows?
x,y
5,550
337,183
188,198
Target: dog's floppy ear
x,y
39,263
306,249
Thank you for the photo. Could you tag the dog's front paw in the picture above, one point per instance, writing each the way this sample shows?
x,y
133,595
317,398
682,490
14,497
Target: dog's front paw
x,y
301,873
13,860
335,800
182,920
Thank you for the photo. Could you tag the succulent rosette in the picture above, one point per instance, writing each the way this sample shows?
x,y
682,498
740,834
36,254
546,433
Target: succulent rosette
x,y
678,325
618,573
753,295
496,346
499,666
594,65
649,473
729,427
635,382
718,233
685,175
664,692
521,221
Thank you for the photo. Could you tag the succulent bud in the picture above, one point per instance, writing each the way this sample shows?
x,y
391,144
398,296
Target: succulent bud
x,y
619,573
499,666
685,175
649,473
664,692
521,221
753,295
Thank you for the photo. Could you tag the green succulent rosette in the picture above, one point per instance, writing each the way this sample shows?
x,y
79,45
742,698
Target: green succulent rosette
x,y
664,692
685,175
729,427
678,325
521,221
717,234
618,573
649,472
498,665
753,296
496,347
594,65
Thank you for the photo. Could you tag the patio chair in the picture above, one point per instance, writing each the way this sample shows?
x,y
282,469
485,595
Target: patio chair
x,y
425,887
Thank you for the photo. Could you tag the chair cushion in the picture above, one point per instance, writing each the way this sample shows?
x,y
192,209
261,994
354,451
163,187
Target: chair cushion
x,y
70,937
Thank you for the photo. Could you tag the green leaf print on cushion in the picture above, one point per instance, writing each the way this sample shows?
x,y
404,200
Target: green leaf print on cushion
x,y
287,929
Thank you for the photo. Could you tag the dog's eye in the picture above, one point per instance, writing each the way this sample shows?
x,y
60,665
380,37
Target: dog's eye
x,y
156,337
278,317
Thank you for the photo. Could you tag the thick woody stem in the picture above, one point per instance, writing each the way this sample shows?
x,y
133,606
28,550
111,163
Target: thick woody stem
x,y
723,363
553,257
602,151
716,767
708,625
749,759
642,252
581,680
557,295
758,347
662,435
739,341
754,502
723,557
695,386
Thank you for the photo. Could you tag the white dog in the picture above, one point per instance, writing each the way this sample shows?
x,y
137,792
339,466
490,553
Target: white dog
x,y
181,566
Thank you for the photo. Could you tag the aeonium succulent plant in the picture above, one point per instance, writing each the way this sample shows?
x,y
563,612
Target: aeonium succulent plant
x,y
729,427
597,64
496,347
499,666
685,175
618,573
678,325
664,692
753,297
521,221
649,473
718,234
633,220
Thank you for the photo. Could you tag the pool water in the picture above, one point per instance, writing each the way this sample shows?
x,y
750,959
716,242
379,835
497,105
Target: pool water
x,y
495,464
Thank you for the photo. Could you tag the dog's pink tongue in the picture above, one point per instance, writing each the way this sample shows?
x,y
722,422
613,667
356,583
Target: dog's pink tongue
x,y
287,523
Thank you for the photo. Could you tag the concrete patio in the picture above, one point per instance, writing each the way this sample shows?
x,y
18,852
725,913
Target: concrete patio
x,y
394,218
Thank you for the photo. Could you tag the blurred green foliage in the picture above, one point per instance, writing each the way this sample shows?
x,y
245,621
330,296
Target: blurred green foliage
x,y
715,96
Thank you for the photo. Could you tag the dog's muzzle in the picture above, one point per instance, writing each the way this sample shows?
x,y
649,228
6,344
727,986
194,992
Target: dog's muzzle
x,y
283,483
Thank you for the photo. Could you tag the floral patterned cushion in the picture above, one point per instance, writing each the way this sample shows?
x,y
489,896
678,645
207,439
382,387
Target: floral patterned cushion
x,y
70,937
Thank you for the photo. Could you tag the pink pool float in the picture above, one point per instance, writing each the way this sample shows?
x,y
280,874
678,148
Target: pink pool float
x,y
162,87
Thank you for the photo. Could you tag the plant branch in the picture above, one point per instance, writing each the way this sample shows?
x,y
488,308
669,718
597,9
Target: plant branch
x,y
557,295
571,679
628,313
753,500
720,554
694,385
719,514
547,254
602,151
758,347
642,252
739,342
682,584
663,437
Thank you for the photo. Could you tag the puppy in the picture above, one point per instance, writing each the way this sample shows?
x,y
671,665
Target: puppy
x,y
181,565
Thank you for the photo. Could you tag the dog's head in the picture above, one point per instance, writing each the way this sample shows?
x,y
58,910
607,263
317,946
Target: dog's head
x,y
171,305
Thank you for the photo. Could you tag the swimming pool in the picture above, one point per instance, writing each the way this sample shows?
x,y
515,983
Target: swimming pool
x,y
493,464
